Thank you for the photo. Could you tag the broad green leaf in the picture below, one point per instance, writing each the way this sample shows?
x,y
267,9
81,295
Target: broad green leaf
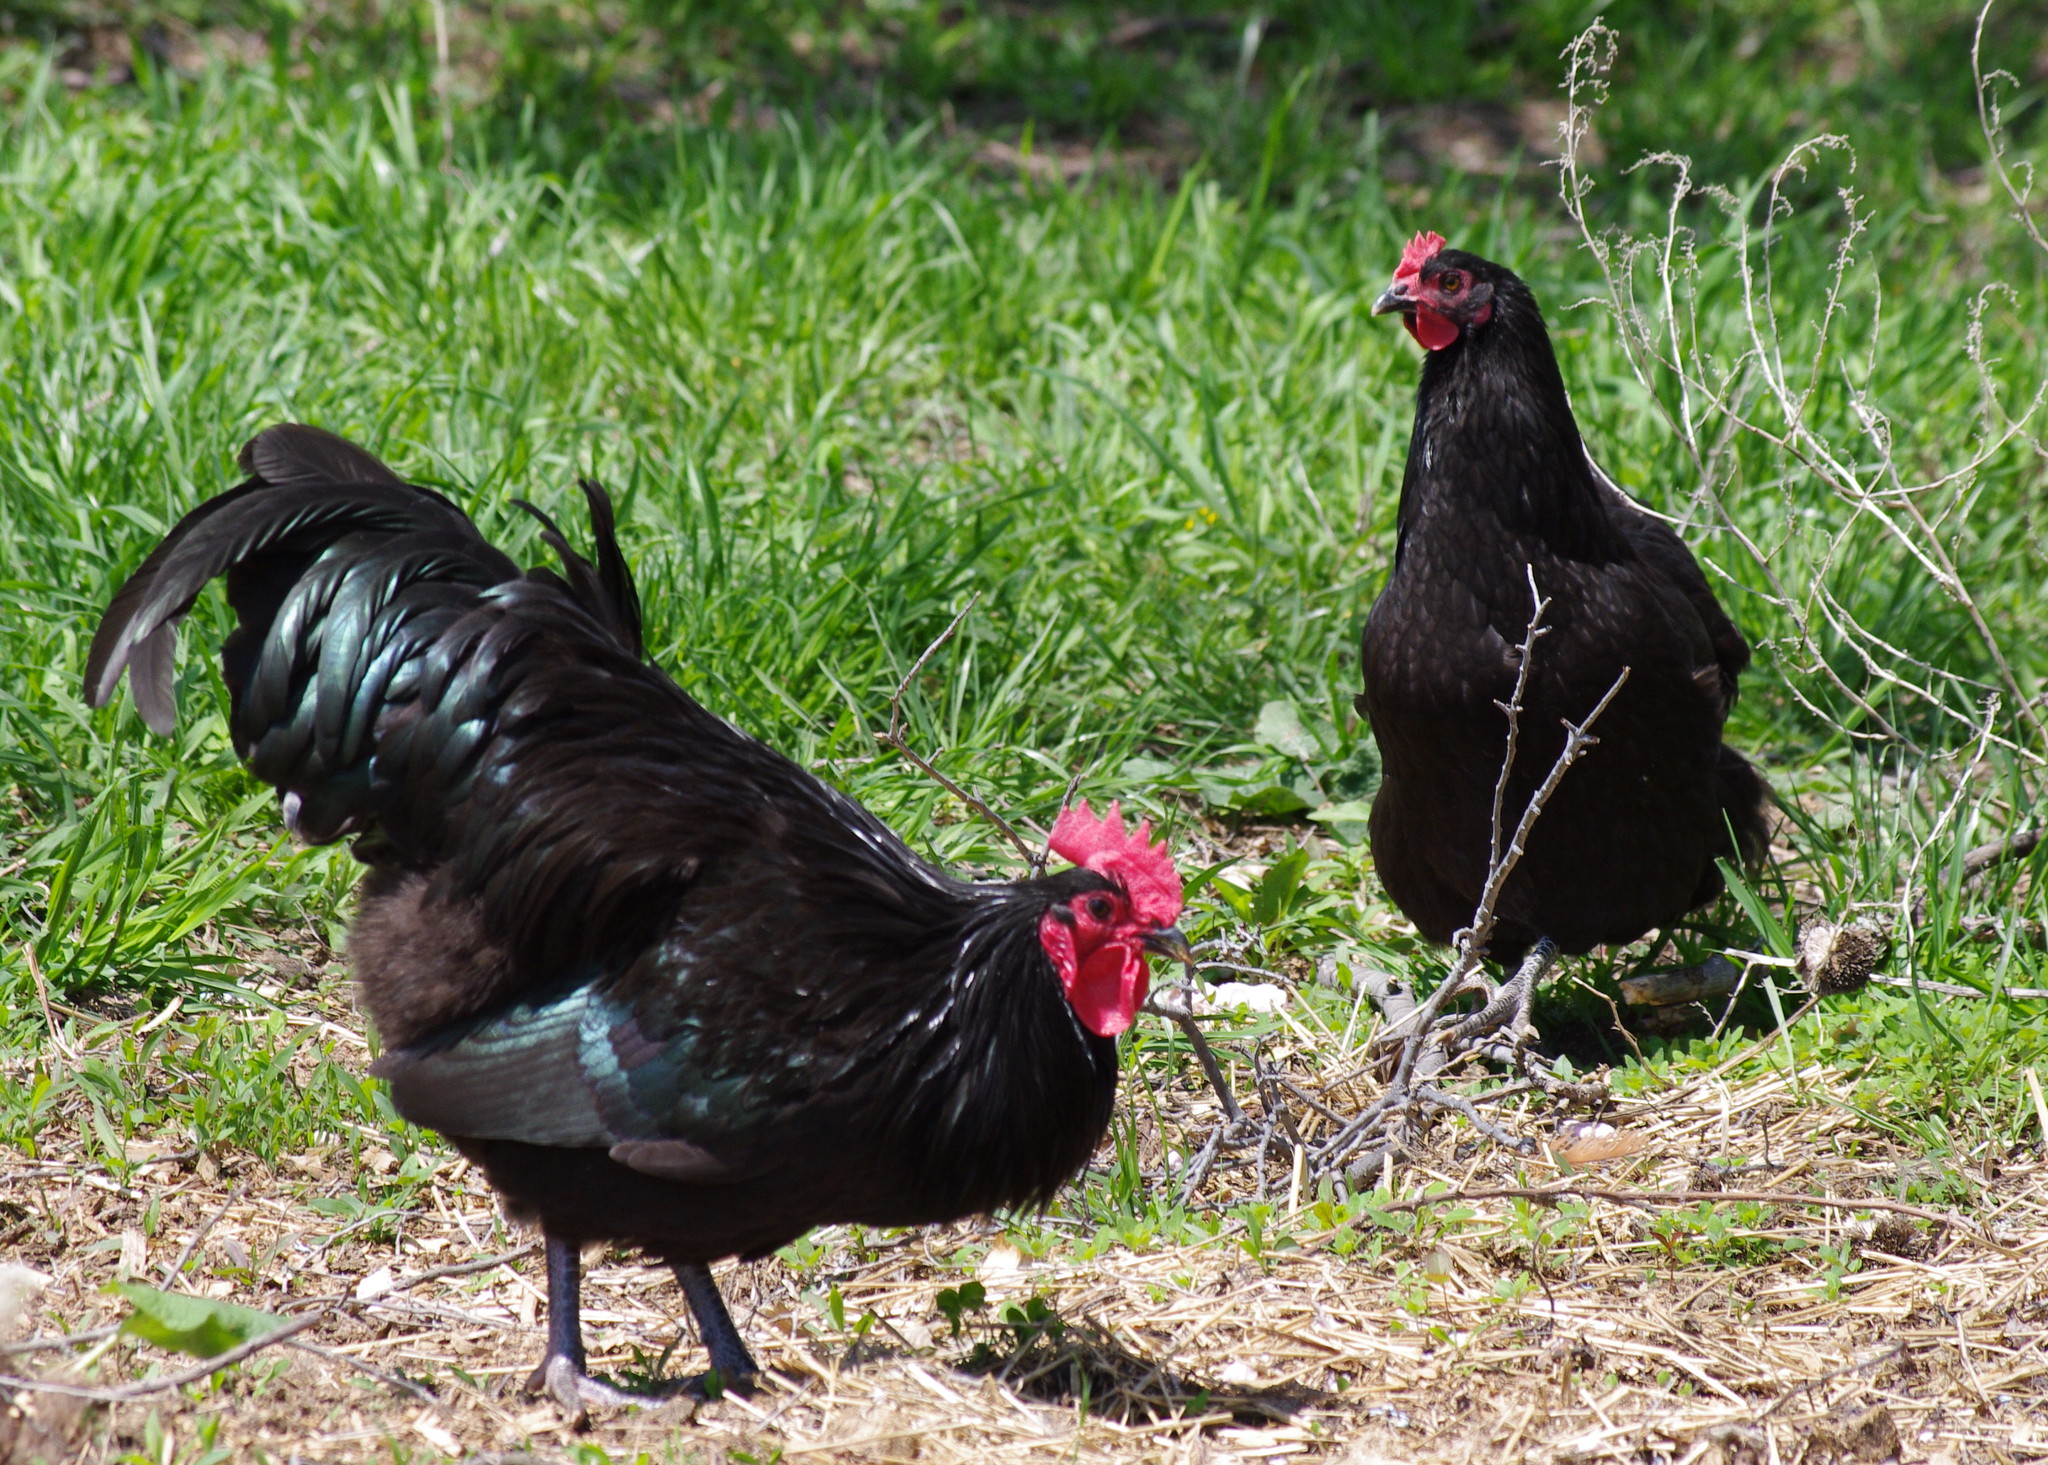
x,y
1277,888
201,1326
1348,820
1280,728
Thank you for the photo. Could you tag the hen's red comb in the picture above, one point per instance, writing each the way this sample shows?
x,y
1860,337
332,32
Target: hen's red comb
x,y
1144,869
1421,249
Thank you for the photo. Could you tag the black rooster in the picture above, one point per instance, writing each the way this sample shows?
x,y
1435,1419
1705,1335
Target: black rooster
x,y
662,985
1499,488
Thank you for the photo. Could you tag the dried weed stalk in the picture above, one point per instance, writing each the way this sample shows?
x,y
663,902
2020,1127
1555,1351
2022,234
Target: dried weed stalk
x,y
1768,381
1424,1040
1357,1142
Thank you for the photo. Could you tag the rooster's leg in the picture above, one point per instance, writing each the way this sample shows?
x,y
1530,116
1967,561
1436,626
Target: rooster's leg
x,y
561,1373
730,1360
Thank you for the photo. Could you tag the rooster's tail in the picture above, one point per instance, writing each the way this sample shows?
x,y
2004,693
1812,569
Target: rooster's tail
x,y
343,578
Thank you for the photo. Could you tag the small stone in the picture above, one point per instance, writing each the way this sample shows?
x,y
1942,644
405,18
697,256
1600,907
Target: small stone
x,y
1002,1268
1581,1131
17,1285
428,1429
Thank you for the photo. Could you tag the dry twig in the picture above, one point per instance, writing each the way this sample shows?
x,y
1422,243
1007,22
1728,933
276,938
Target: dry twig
x,y
1426,1038
894,738
163,1383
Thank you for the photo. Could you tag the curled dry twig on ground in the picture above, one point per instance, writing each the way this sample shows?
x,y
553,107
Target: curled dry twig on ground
x,y
163,1383
1655,1199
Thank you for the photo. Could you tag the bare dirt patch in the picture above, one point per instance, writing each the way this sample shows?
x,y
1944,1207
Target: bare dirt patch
x,y
1582,1327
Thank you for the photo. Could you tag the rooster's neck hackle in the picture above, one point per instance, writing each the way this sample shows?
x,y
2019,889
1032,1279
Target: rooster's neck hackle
x,y
974,1110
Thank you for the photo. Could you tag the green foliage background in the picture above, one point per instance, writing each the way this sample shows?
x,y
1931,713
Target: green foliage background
x,y
847,363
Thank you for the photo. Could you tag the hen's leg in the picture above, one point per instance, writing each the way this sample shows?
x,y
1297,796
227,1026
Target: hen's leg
x,y
730,1359
561,1373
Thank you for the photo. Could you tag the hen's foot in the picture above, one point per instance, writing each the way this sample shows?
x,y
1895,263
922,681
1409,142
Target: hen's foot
x,y
1504,1021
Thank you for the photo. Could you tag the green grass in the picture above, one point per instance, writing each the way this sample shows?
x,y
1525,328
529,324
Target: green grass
x,y
844,380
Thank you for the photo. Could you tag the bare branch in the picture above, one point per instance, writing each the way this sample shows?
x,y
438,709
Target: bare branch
x,y
894,738
163,1383
1524,656
1717,976
1998,851
1422,1038
1578,738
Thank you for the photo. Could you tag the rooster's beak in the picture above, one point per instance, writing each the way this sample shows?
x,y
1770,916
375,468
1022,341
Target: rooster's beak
x,y
1394,297
1167,941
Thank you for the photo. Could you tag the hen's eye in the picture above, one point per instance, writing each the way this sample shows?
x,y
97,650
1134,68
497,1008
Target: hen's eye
x,y
1450,282
1100,907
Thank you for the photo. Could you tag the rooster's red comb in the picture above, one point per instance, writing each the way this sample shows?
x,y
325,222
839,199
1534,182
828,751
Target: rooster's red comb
x,y
1144,869
1420,251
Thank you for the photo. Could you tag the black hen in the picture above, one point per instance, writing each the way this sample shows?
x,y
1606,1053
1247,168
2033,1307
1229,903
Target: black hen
x,y
1499,487
661,984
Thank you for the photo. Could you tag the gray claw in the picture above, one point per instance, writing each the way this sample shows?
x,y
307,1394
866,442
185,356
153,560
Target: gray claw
x,y
578,1393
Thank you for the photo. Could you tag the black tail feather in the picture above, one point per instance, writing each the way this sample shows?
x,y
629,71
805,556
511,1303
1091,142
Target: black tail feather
x,y
606,589
238,527
616,578
293,455
383,646
138,634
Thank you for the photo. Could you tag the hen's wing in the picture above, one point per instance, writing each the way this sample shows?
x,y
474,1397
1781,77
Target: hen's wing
x,y
1660,547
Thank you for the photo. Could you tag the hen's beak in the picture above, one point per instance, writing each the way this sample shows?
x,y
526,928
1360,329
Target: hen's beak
x,y
1394,297
1167,941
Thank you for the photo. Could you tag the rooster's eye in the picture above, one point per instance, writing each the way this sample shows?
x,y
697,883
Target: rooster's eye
x,y
1450,282
1100,908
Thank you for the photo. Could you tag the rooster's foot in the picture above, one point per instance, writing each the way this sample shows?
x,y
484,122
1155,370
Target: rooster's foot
x,y
733,1369
716,1383
577,1392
